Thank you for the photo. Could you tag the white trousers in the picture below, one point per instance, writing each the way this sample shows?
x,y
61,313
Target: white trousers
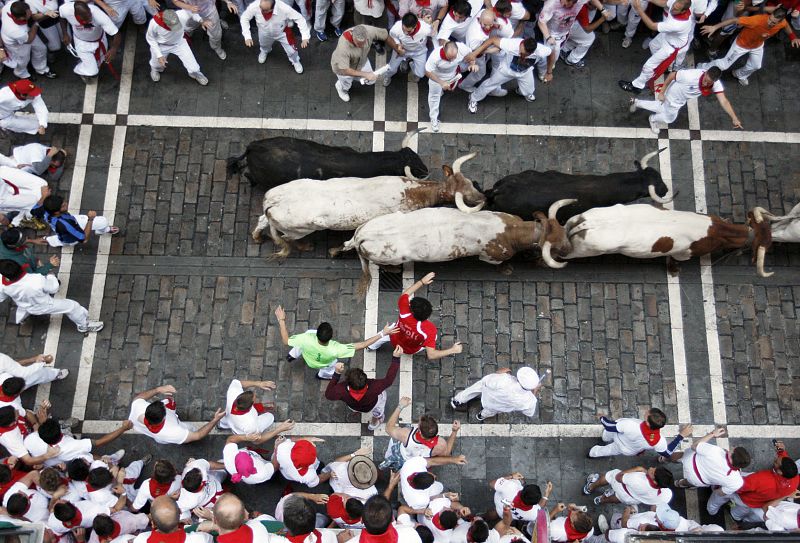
x,y
417,64
347,81
435,92
715,501
29,53
612,449
626,14
665,112
53,35
321,13
99,226
660,50
132,472
501,75
471,393
471,79
303,6
89,64
20,122
136,9
182,51
265,41
34,374
214,31
578,43
754,58
72,309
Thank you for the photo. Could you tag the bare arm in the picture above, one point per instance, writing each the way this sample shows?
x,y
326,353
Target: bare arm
x,y
281,314
392,429
111,436
445,460
149,394
637,5
428,279
197,435
387,330
728,108
394,478
716,432
451,439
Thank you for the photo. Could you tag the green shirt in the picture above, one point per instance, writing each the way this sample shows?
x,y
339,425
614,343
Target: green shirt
x,y
320,356
25,256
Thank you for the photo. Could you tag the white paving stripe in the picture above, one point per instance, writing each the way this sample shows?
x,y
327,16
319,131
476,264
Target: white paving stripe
x,y
104,244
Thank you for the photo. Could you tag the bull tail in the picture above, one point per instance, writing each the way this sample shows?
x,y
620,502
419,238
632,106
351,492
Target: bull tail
x,y
348,245
235,165
366,277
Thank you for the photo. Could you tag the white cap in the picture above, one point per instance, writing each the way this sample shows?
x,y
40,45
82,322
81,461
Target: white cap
x,y
669,518
528,378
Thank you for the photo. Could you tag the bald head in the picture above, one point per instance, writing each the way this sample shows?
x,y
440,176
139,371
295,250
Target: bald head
x,y
164,514
82,10
229,513
487,17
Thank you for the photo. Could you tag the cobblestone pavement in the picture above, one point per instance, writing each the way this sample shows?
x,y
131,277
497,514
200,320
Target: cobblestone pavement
x,y
187,295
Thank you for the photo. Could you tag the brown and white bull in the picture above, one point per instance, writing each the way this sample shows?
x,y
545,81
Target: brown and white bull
x,y
303,206
646,231
442,234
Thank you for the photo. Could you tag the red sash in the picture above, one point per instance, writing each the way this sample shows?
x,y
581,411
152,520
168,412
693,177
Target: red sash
x,y
696,471
12,185
301,538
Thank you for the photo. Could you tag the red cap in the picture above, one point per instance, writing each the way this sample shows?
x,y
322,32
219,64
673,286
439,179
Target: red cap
x,y
24,88
303,455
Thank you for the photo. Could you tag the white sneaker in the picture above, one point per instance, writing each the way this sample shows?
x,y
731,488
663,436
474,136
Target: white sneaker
x,y
632,105
200,78
298,68
626,42
646,43
262,57
498,92
343,94
654,128
117,456
387,81
743,81
528,97
435,126
91,326
155,76
221,53
602,524
62,374
472,106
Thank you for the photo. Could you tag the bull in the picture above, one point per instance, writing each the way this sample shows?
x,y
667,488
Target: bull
x,y
520,193
783,229
647,231
447,234
300,207
271,162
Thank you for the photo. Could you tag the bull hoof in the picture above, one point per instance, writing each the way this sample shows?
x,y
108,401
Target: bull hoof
x,y
506,268
280,255
673,267
304,246
257,236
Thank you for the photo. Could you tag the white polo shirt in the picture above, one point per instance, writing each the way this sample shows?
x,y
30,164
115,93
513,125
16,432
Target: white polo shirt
x,y
207,495
69,448
708,465
147,491
38,511
174,431
416,498
506,490
264,469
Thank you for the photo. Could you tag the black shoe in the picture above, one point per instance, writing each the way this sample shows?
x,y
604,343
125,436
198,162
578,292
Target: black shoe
x,y
290,358
627,86
379,48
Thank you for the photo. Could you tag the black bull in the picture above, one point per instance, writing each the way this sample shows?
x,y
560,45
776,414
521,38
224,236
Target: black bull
x,y
523,193
271,162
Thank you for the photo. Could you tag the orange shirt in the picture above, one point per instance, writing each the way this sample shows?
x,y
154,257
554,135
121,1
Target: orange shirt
x,y
756,31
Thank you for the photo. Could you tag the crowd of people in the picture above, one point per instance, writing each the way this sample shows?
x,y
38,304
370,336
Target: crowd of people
x,y
53,477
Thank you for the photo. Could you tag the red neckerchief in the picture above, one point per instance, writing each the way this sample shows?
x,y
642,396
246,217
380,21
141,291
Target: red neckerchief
x,y
236,411
75,521
242,534
653,484
485,32
443,55
199,489
430,443
7,282
267,14
18,249
159,19
178,536
416,29
389,536
438,522
519,504
731,466
260,408
301,538
83,22
410,480
705,91
20,425
452,14
682,16
358,394
18,21
158,489
7,399
499,15
336,509
349,36
154,428
572,534
90,488
171,405
424,3
651,436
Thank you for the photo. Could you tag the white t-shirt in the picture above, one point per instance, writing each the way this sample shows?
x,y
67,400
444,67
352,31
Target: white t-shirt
x,y
416,42
558,530
631,441
341,483
264,469
87,510
437,506
676,31
102,496
708,466
506,490
11,32
145,495
460,534
649,517
15,402
37,511
69,448
687,86
174,431
245,423
635,488
502,391
207,495
255,532
194,537
416,498
443,68
559,19
283,454
13,442
784,517
100,23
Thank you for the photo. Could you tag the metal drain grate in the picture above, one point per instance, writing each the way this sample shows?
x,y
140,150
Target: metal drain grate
x,y
390,281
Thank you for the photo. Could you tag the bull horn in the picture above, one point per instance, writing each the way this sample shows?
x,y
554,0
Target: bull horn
x,y
549,259
646,158
551,213
760,262
658,199
460,162
410,175
464,207
760,213
407,140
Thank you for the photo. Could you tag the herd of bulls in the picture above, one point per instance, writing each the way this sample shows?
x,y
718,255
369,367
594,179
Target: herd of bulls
x,y
396,215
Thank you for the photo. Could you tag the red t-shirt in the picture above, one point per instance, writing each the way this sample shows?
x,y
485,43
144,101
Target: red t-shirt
x,y
765,486
413,334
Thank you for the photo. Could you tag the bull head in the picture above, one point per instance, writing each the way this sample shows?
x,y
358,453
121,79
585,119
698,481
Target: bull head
x,y
461,188
651,189
553,233
762,237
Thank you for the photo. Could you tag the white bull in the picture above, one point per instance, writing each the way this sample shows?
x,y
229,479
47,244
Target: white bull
x,y
443,234
298,208
646,231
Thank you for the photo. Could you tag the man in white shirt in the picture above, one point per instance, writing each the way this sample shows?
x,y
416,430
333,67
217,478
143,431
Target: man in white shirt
x,y
23,45
297,460
165,36
165,481
418,486
23,502
441,517
442,70
201,485
12,387
630,437
484,26
20,192
68,516
246,465
43,161
33,293
501,392
15,97
243,413
524,500
230,520
411,37
632,486
35,370
455,24
555,22
707,465
273,18
89,26
353,477
159,420
115,528
13,429
49,434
